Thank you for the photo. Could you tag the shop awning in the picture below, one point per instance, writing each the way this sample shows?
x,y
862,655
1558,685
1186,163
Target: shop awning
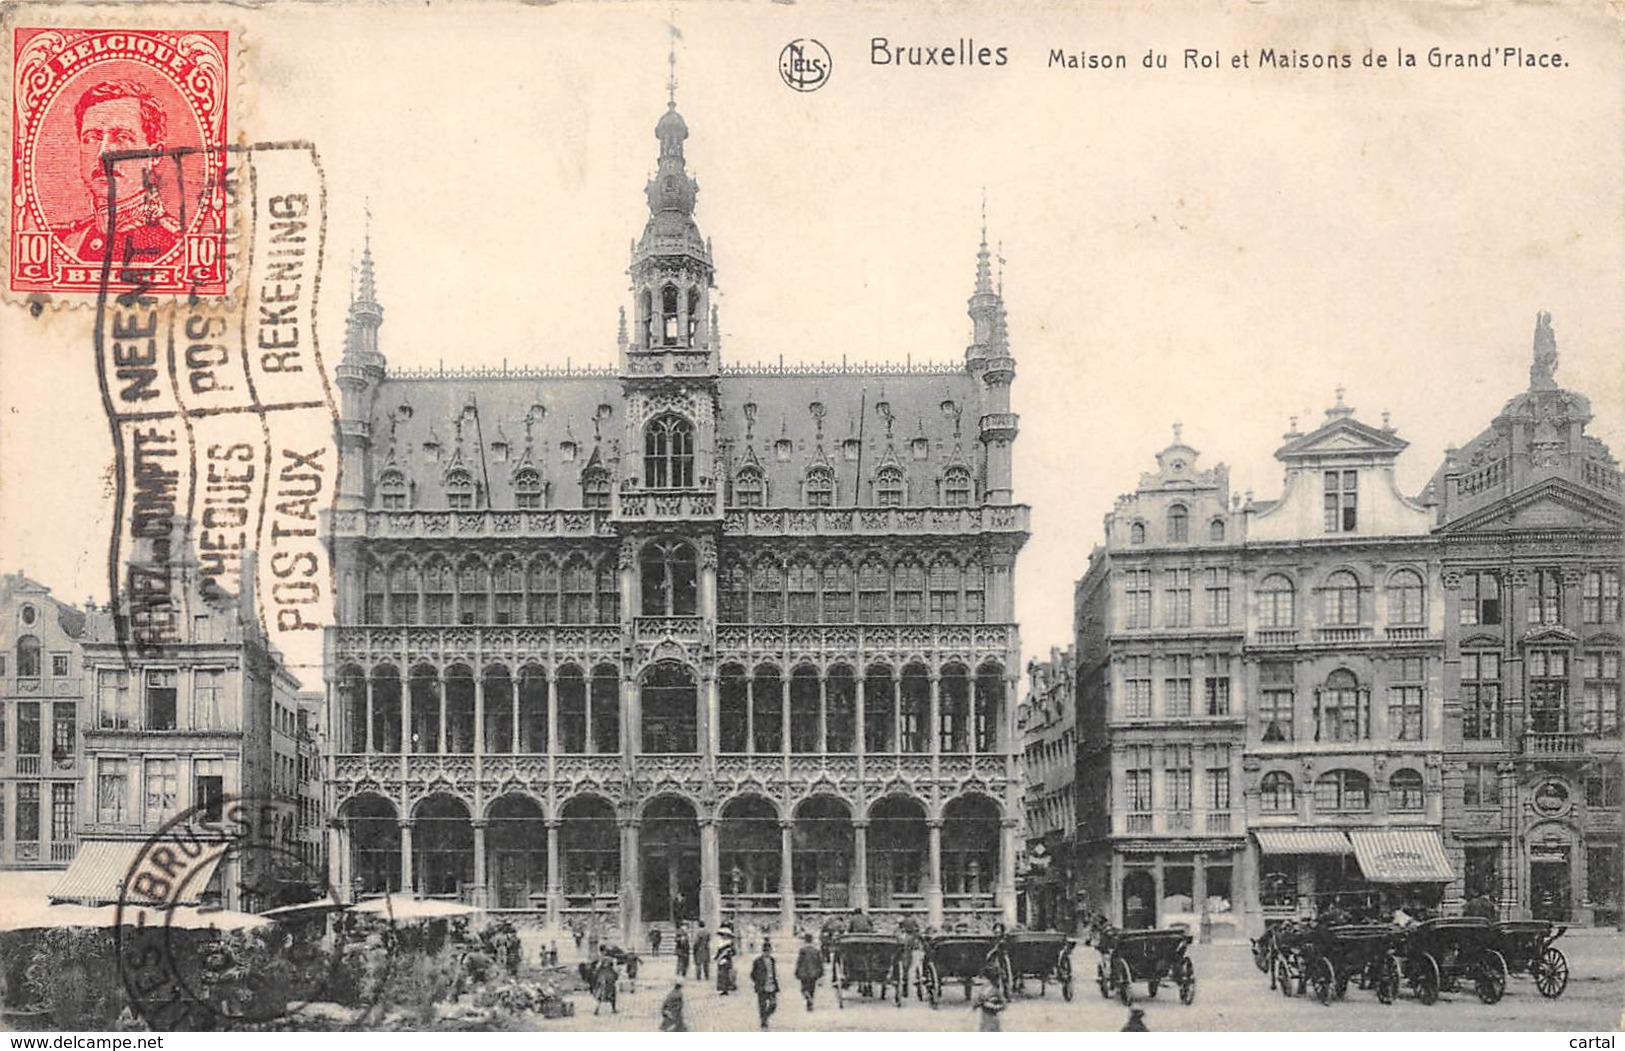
x,y
1401,855
1302,841
99,869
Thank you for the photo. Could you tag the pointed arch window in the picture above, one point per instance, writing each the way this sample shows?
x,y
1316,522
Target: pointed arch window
x,y
669,571
732,593
668,453
908,593
750,488
975,602
374,595
392,490
1179,524
403,592
820,487
767,593
459,490
944,592
1215,531
437,593
803,592
527,490
577,604
595,489
542,592
668,315
889,487
508,587
473,591
1136,533
874,592
956,487
837,592
608,581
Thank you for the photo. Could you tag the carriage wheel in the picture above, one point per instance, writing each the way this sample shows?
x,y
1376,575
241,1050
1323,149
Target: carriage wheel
x,y
1103,981
1388,980
1491,982
1187,981
1324,979
1426,979
1123,979
1063,974
1551,973
1283,976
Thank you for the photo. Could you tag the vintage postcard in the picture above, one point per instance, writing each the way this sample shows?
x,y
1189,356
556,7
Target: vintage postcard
x,y
598,518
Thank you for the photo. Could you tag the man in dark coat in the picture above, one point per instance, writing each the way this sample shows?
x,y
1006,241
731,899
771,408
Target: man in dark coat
x,y
604,982
671,1011
809,968
860,923
702,953
764,978
682,947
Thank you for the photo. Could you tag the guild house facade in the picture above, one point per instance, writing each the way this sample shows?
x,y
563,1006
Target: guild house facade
x,y
1350,694
677,639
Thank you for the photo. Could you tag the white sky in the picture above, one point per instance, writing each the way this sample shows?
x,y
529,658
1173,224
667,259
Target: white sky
x,y
1223,248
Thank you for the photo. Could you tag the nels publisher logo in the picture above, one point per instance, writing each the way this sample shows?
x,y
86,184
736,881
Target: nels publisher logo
x,y
804,64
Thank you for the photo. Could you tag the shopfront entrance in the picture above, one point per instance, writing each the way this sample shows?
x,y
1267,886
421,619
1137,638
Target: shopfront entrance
x,y
1549,886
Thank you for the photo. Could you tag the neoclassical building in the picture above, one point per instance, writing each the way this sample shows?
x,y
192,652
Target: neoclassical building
x,y
675,639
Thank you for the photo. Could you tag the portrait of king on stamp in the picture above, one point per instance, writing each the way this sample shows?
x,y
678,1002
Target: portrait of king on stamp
x,y
117,161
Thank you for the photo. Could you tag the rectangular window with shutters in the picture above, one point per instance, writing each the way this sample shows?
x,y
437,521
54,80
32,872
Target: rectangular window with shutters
x,y
112,790
1480,696
1405,700
1216,686
1137,687
160,698
62,823
1218,596
1342,491
1176,686
1599,712
1177,597
1481,785
1137,598
27,827
1176,776
1277,692
161,790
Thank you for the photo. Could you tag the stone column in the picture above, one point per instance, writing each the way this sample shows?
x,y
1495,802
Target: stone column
x,y
784,723
369,742
631,883
481,898
933,719
555,884
708,583
897,712
406,858
861,737
860,865
750,713
338,856
710,902
406,719
440,696
1204,922
823,711
706,737
1007,869
631,723
479,720
933,873
787,891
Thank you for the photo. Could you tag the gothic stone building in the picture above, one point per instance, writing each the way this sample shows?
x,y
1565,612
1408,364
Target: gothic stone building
x,y
673,639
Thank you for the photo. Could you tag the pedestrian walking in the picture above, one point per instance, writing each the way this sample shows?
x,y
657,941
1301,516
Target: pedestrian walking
x,y
671,1011
604,982
655,936
1136,1021
725,960
764,978
809,968
576,933
553,953
702,953
683,948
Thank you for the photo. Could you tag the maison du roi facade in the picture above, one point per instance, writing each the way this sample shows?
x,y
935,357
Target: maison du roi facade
x,y
677,640
1348,691
101,746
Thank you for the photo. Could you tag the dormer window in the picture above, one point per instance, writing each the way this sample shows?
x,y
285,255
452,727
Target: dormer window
x,y
527,490
820,487
749,488
956,487
595,489
668,315
889,487
392,491
1342,488
459,491
1179,524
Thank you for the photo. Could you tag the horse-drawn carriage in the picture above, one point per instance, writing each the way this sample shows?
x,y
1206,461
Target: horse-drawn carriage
x,y
1439,955
1526,946
963,958
1363,952
876,963
1045,955
1153,957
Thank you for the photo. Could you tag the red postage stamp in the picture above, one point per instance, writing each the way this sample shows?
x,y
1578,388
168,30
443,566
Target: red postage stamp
x,y
118,160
